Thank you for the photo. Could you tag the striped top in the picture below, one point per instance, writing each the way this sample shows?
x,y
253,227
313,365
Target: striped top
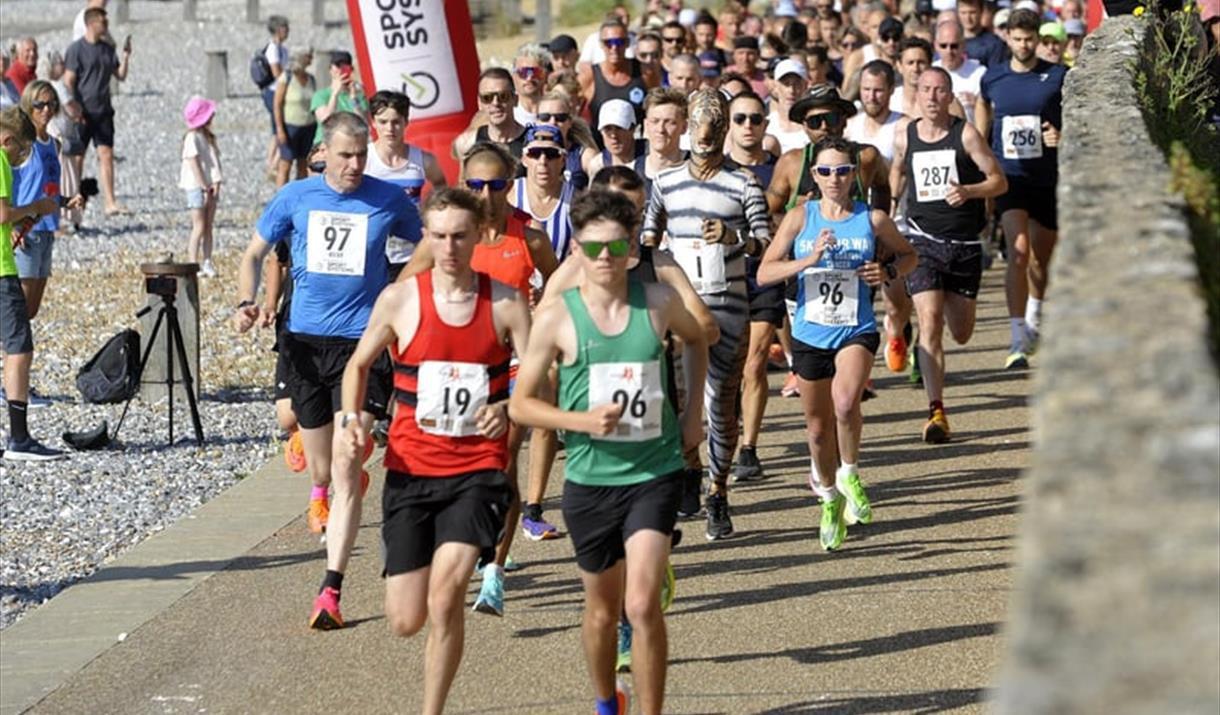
x,y
557,225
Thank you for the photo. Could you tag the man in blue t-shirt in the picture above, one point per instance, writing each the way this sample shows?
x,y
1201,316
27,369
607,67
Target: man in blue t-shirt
x,y
336,226
1020,108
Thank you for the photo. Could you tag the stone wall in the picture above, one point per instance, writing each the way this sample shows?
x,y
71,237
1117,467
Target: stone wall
x,y
1117,607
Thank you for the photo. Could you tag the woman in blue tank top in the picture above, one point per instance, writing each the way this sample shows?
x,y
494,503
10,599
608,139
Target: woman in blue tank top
x,y
840,250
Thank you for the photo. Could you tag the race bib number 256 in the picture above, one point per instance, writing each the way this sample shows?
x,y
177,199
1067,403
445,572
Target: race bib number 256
x,y
336,243
1022,136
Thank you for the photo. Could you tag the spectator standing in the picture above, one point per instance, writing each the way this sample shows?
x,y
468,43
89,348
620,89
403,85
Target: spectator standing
x,y
200,179
343,95
9,96
24,66
65,127
295,125
90,64
276,54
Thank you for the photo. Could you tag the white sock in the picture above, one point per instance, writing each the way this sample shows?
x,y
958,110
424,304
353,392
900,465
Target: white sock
x,y
788,356
1033,313
846,469
1017,327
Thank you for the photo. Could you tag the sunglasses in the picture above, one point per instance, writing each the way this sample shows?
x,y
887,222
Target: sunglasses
x,y
556,117
830,119
550,153
849,45
672,40
493,97
891,37
496,185
646,56
741,118
840,170
618,248
44,105
529,72
948,46
619,42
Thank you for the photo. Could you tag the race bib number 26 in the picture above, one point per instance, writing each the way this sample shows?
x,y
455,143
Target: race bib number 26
x,y
1022,136
336,243
634,386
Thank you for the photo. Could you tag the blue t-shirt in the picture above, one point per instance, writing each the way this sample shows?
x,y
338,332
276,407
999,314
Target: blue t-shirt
x,y
337,243
988,48
827,292
36,178
1021,102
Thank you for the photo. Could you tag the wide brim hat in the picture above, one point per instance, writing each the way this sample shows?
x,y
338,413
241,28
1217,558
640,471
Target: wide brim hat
x,y
822,95
198,111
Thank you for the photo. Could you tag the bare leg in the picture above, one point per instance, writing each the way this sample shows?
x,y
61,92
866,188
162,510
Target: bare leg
x,y
345,507
1016,281
897,308
647,552
959,316
317,444
516,435
818,406
754,382
105,161
544,445
1042,245
17,376
284,415
209,224
198,226
34,289
852,366
930,307
603,605
452,564
282,170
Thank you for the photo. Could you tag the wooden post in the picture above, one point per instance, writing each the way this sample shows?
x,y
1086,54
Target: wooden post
x,y
321,67
188,10
319,13
252,11
122,12
217,75
542,20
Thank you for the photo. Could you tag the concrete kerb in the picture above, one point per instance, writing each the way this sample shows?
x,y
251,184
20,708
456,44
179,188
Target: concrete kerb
x,y
53,642
1116,608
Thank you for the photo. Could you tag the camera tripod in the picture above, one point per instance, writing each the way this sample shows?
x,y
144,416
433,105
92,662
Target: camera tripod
x,y
168,314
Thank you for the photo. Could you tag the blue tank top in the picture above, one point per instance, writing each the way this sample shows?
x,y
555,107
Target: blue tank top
x,y
833,305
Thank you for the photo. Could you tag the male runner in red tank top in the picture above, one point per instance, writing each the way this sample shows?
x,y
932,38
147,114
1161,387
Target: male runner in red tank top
x,y
446,493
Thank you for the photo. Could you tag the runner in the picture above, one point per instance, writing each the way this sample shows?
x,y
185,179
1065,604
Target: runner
x,y
967,73
616,122
337,225
624,444
749,126
841,249
497,101
618,77
791,81
947,172
664,127
445,490
714,216
542,193
1020,105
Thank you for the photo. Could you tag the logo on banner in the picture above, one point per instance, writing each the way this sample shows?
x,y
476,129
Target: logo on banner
x,y
410,51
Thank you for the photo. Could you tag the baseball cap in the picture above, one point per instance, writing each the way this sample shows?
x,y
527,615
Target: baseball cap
x,y
924,7
943,5
687,16
890,26
543,135
1053,30
745,42
616,113
561,43
1074,27
790,66
1001,17
1028,5
709,63
786,8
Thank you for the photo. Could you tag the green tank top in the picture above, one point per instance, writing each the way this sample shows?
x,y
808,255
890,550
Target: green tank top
x,y
628,368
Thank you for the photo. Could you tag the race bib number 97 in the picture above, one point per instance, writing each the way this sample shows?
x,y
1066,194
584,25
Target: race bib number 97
x,y
336,243
831,297
1022,136
634,386
449,395
934,172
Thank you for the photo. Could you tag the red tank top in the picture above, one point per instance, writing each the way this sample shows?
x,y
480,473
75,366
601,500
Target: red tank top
x,y
509,261
434,433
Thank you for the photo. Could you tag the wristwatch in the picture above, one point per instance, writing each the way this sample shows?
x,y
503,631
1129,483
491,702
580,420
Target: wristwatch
x,y
346,418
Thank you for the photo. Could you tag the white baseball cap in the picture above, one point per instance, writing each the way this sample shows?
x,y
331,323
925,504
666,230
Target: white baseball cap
x,y
1028,5
943,5
616,113
790,66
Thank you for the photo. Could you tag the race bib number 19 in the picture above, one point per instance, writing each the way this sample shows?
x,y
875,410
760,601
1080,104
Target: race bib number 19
x,y
449,394
831,297
1022,136
636,387
703,264
336,243
934,172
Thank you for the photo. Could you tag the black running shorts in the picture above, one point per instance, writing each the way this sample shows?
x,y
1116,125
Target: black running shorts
x,y
1038,201
813,364
767,306
601,519
421,513
946,266
315,378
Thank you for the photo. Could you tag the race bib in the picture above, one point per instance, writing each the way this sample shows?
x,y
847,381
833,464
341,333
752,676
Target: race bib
x,y
831,297
449,394
636,387
703,264
1022,136
934,172
398,250
336,243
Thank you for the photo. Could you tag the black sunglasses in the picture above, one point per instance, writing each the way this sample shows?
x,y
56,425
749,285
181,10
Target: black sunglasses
x,y
548,152
755,119
502,97
948,45
496,185
891,36
43,105
830,119
672,40
557,117
615,42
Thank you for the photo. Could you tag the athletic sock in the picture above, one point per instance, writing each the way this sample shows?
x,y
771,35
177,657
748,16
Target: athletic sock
x,y
825,493
532,512
332,579
608,707
318,493
1033,313
1016,326
16,419
788,356
936,404
846,469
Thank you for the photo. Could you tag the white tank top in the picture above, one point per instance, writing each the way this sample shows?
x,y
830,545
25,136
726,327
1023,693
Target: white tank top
x,y
883,140
787,140
411,177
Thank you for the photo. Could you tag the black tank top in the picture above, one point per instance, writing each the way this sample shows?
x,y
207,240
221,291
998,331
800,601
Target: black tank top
x,y
645,271
516,147
807,187
632,92
763,172
935,216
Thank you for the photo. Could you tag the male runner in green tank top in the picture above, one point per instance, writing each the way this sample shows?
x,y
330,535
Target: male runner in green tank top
x,y
624,444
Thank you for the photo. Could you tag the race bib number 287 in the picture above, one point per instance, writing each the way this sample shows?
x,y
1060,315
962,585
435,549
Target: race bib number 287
x,y
336,243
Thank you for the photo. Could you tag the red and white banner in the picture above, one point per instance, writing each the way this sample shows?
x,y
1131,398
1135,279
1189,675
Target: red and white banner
x,y
424,49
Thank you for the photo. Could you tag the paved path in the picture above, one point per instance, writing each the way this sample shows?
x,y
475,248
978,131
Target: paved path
x,y
907,617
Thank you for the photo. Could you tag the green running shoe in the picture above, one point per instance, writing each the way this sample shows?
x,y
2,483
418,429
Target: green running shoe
x,y
834,528
859,510
622,662
668,587
1017,360
916,377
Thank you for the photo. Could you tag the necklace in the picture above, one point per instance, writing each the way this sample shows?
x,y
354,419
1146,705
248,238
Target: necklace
x,y
463,296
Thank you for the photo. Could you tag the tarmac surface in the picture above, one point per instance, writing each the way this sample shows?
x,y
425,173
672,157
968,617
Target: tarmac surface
x,y
906,617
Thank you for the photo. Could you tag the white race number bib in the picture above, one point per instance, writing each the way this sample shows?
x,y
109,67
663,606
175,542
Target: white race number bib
x,y
934,172
336,243
1022,136
831,297
398,250
702,262
449,394
636,387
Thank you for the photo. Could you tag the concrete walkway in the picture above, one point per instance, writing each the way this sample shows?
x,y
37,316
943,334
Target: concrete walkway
x,y
907,617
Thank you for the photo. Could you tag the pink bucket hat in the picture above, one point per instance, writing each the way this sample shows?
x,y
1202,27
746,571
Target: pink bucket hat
x,y
198,111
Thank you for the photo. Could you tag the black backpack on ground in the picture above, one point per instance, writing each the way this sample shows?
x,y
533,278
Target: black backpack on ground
x,y
113,374
260,69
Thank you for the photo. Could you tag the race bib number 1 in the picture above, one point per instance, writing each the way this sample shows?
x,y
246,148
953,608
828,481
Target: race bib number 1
x,y
636,387
831,297
1022,136
336,243
449,395
934,172
702,262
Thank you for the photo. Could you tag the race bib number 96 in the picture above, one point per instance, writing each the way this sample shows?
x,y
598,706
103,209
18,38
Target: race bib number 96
x,y
449,395
831,297
634,386
336,243
1022,136
702,262
934,172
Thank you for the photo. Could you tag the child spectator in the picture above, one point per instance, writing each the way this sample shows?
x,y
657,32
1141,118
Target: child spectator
x,y
200,178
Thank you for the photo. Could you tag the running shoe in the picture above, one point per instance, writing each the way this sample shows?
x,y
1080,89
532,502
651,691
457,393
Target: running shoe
x,y
896,354
834,528
936,431
510,565
1032,338
776,357
669,586
1017,360
31,450
868,392
688,505
491,595
790,388
538,529
294,452
859,510
748,468
319,512
32,399
622,663
916,377
621,697
719,525
326,616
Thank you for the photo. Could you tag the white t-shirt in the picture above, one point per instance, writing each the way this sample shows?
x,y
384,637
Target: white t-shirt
x,y
967,81
523,116
78,25
276,54
195,144
883,140
787,140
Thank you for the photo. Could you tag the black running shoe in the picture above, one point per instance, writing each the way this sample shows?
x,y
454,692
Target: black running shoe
x,y
748,468
688,506
719,525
